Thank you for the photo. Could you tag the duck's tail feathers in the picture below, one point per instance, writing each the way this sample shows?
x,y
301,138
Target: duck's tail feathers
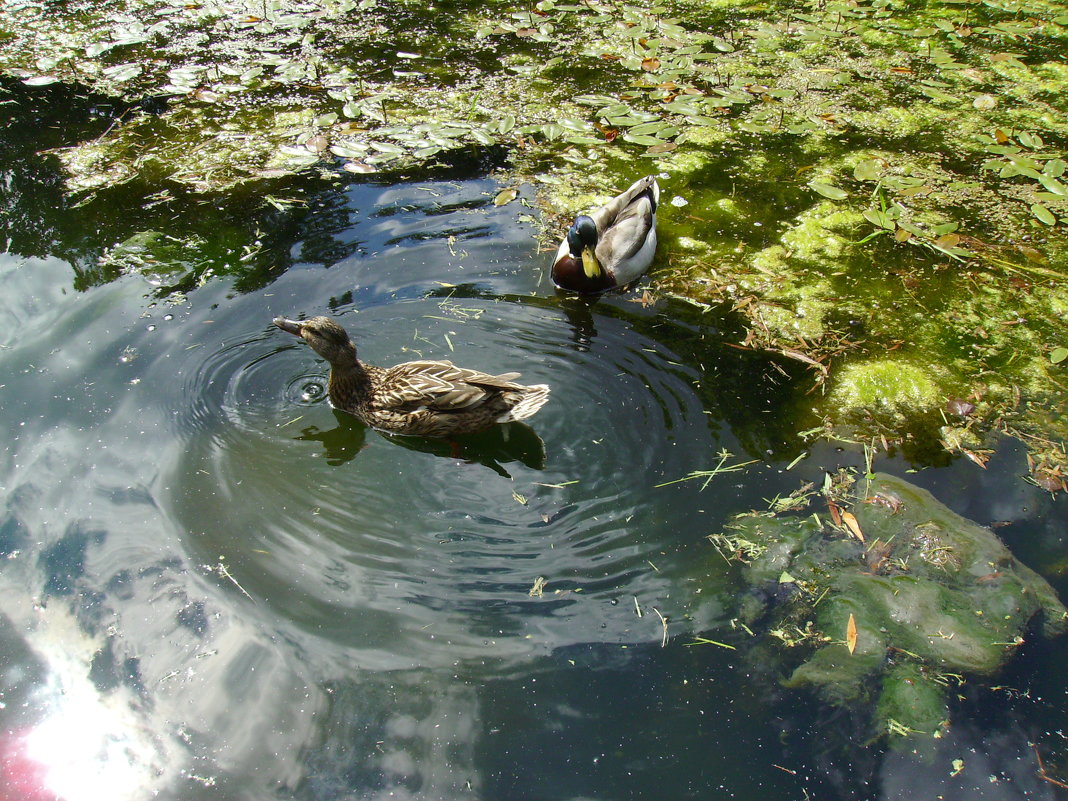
x,y
527,402
646,186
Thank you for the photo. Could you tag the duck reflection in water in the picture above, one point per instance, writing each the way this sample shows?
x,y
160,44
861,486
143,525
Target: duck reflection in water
x,y
494,448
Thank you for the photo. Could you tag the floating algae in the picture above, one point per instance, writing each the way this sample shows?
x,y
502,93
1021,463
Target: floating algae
x,y
932,595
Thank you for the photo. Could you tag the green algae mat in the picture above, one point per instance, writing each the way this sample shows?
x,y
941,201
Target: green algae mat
x,y
876,189
884,600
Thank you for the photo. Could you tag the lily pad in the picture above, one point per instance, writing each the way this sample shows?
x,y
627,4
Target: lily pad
x,y
828,191
868,170
1043,214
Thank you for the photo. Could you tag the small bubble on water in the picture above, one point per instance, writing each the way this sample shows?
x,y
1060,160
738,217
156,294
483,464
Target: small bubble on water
x,y
168,317
311,392
152,328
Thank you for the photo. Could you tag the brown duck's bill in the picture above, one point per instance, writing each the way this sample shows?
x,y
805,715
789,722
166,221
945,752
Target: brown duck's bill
x,y
289,326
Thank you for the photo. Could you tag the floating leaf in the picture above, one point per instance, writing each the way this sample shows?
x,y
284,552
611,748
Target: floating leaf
x,y
358,167
912,191
836,513
879,218
703,120
832,192
40,80
642,140
1058,355
121,73
97,48
1053,185
851,633
663,147
786,578
1043,214
1054,168
868,170
317,143
505,196
958,407
348,150
851,523
650,64
648,128
948,240
482,137
1030,140
753,127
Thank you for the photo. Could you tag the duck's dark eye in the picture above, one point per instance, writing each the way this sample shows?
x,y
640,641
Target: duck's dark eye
x,y
331,334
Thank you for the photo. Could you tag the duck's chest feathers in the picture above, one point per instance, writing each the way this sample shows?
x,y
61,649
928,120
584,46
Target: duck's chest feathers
x,y
351,388
568,272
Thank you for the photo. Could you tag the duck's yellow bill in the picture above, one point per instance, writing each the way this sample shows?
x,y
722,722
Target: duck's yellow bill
x,y
590,265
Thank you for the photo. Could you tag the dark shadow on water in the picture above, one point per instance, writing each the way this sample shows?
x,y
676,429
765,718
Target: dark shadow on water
x,y
494,448
341,444
579,312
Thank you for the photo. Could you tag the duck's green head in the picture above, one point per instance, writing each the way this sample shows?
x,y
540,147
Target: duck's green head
x,y
325,336
582,242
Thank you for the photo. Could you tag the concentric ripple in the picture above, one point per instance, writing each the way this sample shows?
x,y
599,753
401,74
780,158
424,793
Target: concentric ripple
x,y
393,545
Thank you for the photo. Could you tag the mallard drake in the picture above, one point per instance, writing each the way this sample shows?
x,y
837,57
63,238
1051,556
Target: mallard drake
x,y
612,245
424,398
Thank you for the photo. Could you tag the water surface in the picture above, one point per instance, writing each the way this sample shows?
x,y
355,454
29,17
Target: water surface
x,y
217,587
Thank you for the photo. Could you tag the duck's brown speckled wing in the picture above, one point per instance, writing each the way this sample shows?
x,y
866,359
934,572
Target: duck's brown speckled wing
x,y
439,386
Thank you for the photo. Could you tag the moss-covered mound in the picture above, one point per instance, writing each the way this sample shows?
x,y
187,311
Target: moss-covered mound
x,y
896,596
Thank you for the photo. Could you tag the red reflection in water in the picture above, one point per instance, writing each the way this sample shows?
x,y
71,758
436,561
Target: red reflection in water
x,y
21,778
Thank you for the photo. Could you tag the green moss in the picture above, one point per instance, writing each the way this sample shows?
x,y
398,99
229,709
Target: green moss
x,y
895,384
912,701
930,593
756,111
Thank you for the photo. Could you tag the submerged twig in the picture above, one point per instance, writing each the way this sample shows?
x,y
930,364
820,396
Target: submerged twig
x,y
663,622
1042,770
708,475
221,570
706,641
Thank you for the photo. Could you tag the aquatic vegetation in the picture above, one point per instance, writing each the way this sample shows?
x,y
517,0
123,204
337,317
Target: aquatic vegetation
x,y
931,595
851,177
886,385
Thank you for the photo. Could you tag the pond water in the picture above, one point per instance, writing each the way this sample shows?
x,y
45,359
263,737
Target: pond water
x,y
216,587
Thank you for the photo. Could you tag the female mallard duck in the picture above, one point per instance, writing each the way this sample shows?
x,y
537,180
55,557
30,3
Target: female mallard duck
x,y
427,399
612,245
